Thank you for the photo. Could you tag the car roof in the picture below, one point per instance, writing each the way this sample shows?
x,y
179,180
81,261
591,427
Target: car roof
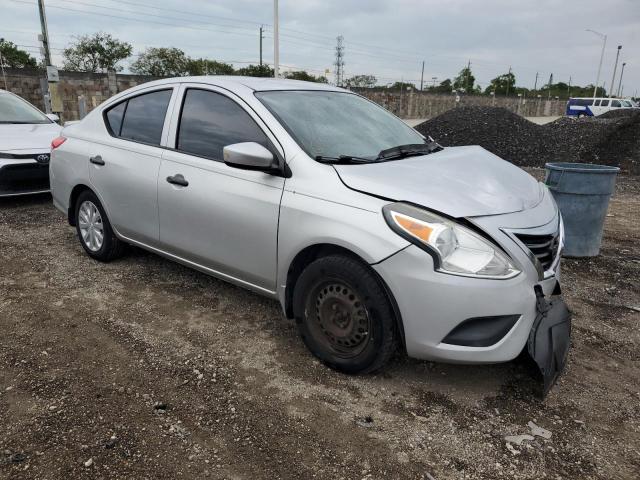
x,y
238,84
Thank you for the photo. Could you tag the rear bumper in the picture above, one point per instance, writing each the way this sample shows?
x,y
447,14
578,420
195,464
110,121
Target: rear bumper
x,y
23,177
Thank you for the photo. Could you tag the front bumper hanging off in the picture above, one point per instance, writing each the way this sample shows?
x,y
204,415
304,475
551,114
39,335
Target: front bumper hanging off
x,y
550,337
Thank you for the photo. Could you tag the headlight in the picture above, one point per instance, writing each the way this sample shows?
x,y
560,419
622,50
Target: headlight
x,y
455,249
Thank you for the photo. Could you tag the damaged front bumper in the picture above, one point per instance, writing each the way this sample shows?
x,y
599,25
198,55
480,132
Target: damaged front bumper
x,y
550,337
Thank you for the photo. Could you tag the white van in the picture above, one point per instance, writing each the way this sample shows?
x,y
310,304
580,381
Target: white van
x,y
592,107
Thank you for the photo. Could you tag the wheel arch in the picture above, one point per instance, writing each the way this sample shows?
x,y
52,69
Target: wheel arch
x,y
312,253
73,197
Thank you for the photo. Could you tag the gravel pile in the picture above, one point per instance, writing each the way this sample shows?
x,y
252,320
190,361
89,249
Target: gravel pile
x,y
612,140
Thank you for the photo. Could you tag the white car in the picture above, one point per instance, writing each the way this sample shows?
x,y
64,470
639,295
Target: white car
x,y
25,144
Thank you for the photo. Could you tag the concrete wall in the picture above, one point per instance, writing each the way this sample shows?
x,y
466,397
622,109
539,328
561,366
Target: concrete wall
x,y
416,104
97,87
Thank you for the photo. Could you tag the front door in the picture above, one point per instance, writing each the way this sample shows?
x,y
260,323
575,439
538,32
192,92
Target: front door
x,y
217,216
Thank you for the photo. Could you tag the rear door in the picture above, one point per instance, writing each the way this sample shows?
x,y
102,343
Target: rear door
x,y
124,169
223,218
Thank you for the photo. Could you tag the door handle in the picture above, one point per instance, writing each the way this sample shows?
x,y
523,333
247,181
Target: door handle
x,y
178,179
97,160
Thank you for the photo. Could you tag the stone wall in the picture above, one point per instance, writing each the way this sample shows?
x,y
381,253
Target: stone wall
x,y
97,87
416,104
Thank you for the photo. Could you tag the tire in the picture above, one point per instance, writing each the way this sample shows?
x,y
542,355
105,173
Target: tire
x,y
91,219
344,315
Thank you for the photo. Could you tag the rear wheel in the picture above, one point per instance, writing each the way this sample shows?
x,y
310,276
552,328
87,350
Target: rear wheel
x,y
344,315
94,230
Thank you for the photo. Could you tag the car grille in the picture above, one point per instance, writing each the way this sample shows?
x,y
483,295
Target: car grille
x,y
28,177
543,247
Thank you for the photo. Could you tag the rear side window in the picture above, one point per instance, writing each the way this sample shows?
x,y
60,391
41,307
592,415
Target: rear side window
x,y
210,121
605,103
140,118
114,118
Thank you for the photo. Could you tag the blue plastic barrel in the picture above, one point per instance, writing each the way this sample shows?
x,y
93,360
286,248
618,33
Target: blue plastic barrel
x,y
582,192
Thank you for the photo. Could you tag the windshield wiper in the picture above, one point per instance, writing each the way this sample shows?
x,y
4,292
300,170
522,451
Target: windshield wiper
x,y
342,159
409,150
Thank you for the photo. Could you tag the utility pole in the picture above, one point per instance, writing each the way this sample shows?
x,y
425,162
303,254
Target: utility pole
x,y
276,47
261,37
620,82
468,73
3,74
549,87
535,85
422,76
615,67
508,81
45,34
339,63
604,44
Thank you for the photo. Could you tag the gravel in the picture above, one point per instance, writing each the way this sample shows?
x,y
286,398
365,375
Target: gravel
x,y
613,139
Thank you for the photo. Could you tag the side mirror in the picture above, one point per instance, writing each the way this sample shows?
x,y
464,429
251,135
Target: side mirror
x,y
248,156
53,117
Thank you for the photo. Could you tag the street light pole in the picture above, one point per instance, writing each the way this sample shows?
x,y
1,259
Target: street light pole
x,y
620,81
276,34
604,44
615,67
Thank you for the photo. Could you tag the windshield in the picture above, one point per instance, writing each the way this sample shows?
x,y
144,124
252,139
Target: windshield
x,y
15,110
335,124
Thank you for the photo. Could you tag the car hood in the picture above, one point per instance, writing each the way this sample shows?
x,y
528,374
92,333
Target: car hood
x,y
25,138
457,181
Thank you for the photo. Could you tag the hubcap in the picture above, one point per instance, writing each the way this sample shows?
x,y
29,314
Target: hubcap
x,y
91,226
340,320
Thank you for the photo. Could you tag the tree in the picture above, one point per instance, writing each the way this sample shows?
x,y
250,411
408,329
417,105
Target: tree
x,y
161,62
99,52
307,77
445,86
502,84
361,81
13,57
465,80
401,85
204,66
255,71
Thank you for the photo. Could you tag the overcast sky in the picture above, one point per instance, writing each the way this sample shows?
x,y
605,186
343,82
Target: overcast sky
x,y
386,38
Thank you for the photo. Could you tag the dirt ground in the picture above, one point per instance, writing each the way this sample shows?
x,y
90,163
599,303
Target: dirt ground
x,y
145,369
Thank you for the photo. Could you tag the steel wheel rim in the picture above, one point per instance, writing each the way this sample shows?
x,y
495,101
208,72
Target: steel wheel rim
x,y
91,226
339,319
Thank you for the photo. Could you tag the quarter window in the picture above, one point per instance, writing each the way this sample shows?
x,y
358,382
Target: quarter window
x,y
210,121
114,117
140,118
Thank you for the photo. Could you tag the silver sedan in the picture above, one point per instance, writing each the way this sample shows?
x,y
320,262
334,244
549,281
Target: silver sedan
x,y
370,235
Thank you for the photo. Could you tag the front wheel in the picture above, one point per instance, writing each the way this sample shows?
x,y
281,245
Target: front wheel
x,y
344,315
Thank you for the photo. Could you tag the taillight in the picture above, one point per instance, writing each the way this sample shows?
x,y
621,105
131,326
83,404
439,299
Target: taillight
x,y
56,142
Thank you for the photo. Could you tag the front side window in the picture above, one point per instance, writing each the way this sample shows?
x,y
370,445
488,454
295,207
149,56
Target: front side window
x,y
140,118
13,109
210,121
327,123
615,103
